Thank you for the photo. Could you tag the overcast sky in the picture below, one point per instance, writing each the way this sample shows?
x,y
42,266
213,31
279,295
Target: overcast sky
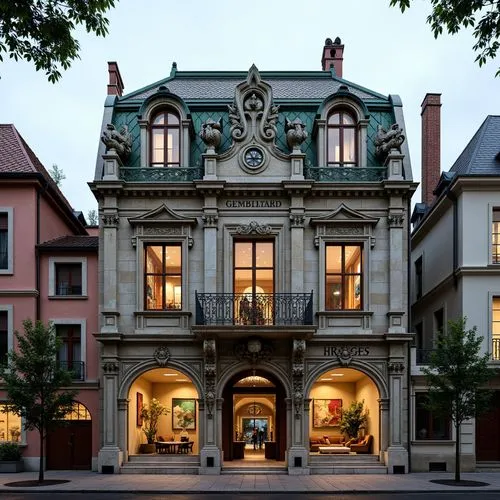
x,y
385,51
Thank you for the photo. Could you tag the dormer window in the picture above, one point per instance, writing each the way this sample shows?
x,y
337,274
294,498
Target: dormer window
x,y
165,140
342,140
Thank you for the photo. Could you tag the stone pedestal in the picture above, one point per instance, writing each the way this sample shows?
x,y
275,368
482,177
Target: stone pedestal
x,y
298,461
109,460
210,460
396,460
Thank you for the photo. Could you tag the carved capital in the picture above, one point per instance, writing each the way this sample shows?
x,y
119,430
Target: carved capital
x,y
210,220
297,220
110,220
396,367
110,367
395,220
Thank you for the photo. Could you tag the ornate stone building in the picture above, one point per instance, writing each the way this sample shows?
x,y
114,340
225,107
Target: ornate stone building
x,y
253,268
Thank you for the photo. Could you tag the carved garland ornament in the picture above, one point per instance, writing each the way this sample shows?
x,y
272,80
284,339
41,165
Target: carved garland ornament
x,y
298,353
254,227
209,353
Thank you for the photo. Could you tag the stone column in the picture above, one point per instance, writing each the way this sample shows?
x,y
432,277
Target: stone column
x,y
210,219
143,125
384,416
110,312
397,454
123,426
110,456
297,165
297,249
112,164
395,221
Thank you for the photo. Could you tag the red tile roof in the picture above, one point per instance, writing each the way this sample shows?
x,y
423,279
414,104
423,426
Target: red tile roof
x,y
71,243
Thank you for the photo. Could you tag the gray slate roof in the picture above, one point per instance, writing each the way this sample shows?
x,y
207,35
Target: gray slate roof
x,y
73,242
199,87
481,155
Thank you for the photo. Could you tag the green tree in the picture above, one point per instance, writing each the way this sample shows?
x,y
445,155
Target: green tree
x,y
41,31
57,175
151,415
353,418
35,383
92,217
453,15
457,376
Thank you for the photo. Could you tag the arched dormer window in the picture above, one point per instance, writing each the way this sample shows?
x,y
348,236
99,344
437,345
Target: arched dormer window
x,y
165,139
342,139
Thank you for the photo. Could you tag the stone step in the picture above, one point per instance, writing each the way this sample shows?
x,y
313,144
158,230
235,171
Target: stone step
x,y
254,470
344,459
159,469
164,458
348,469
488,466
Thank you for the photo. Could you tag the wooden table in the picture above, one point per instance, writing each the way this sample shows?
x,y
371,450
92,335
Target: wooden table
x,y
168,446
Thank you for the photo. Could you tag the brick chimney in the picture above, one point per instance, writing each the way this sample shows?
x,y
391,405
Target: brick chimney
x,y
431,146
333,55
115,85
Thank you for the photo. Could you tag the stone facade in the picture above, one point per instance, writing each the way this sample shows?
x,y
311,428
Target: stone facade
x,y
265,175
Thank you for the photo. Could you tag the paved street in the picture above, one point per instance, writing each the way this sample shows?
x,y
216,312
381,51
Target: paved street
x,y
85,481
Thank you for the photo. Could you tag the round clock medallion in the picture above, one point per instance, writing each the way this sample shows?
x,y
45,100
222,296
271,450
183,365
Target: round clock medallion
x,y
254,157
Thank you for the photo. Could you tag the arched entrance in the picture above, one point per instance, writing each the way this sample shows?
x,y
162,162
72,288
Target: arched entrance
x,y
175,397
69,447
254,399
336,391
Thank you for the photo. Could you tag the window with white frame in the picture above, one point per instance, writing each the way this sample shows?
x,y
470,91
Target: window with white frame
x,y
6,241
165,139
68,277
10,426
495,237
6,331
495,328
342,139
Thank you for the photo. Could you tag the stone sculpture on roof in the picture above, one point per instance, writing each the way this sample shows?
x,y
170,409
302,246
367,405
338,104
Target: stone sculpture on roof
x,y
210,133
120,141
385,140
296,133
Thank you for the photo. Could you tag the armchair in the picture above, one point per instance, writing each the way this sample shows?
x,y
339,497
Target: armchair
x,y
363,446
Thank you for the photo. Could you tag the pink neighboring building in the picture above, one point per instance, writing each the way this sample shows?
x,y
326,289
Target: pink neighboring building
x,y
48,271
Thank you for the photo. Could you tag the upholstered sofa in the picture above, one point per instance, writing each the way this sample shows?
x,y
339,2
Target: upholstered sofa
x,y
325,440
364,445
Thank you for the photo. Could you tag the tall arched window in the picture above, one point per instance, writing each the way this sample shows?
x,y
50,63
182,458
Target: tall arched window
x,y
165,140
342,139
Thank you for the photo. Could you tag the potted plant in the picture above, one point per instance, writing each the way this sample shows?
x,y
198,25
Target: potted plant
x,y
150,416
353,418
10,458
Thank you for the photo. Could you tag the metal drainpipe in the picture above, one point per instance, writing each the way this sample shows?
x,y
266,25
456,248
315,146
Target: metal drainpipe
x,y
408,281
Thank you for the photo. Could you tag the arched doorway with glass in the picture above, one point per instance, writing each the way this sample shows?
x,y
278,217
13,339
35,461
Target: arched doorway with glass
x,y
254,418
350,395
163,413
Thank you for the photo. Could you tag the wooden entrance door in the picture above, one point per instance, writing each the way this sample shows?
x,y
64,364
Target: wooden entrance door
x,y
227,430
488,433
69,447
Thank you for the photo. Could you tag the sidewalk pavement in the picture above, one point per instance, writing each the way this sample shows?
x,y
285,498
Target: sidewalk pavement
x,y
83,481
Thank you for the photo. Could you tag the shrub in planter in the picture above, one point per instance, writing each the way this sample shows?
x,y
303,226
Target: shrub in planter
x,y
10,458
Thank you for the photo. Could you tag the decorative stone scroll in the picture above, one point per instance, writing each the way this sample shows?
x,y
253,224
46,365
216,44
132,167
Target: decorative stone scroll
x,y
254,227
209,353
252,113
162,355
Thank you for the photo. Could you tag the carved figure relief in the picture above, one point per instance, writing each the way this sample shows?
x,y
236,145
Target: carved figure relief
x,y
254,350
162,355
385,140
120,141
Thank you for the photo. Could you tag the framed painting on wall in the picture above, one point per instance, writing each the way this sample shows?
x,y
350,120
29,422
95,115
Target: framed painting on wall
x,y
139,405
326,412
183,414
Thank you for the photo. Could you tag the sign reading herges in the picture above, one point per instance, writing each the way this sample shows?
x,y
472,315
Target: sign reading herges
x,y
253,203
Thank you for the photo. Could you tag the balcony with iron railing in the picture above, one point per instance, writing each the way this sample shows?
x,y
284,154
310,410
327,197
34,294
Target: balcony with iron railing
x,y
495,350
187,174
254,312
77,368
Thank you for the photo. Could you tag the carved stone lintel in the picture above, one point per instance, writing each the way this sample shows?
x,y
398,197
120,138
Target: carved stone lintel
x,y
162,355
344,230
163,231
254,227
396,367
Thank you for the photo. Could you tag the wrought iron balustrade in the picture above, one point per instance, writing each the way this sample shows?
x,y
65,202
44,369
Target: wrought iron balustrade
x,y
495,350
267,309
77,368
423,356
346,174
161,174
